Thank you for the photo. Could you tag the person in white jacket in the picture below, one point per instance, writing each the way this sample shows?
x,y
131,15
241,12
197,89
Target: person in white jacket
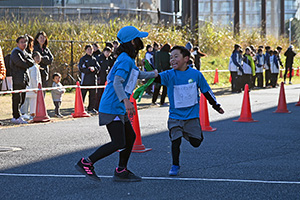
x,y
34,80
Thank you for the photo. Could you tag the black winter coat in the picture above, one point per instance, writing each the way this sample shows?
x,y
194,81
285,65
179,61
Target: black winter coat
x,y
87,76
290,54
47,59
106,64
20,61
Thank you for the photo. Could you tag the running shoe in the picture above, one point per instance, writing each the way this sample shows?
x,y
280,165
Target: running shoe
x,y
125,176
174,170
20,120
87,169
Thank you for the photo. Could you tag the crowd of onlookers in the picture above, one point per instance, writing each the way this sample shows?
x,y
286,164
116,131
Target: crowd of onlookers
x,y
29,65
258,69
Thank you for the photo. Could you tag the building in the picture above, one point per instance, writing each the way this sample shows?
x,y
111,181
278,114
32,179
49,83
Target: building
x,y
221,12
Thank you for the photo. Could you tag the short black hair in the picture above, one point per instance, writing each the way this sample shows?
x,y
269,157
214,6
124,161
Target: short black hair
x,y
267,47
56,74
109,44
184,51
116,42
22,37
36,53
88,46
279,48
107,49
259,50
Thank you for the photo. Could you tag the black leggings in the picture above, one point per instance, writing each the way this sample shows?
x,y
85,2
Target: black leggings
x,y
176,148
288,68
122,137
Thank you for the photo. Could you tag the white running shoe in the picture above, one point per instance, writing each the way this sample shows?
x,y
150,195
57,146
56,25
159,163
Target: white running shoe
x,y
25,116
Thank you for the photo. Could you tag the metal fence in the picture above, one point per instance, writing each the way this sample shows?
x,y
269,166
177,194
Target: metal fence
x,y
84,13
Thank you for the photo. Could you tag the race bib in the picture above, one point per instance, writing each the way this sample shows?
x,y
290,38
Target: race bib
x,y
132,81
185,95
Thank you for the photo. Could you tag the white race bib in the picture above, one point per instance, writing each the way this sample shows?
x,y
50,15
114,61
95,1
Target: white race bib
x,y
185,95
132,81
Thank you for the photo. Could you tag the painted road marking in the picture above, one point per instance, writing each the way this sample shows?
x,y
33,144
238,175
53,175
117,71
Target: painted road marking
x,y
156,178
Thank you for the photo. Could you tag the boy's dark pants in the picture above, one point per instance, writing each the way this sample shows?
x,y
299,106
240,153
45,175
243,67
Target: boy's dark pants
x,y
92,97
234,81
260,80
268,77
156,92
57,107
274,77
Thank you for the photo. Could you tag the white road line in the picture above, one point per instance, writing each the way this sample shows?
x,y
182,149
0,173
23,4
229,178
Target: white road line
x,y
157,178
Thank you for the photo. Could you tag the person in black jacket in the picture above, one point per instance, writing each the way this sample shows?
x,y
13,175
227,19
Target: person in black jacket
x,y
40,45
290,54
96,50
106,61
89,67
20,61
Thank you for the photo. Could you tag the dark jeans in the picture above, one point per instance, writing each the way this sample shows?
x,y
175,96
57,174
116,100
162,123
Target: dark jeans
x,y
57,107
156,92
18,100
92,98
268,77
260,79
246,79
234,81
288,68
274,78
122,137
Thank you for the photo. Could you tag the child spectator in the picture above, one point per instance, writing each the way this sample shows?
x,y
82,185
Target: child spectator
x,y
96,50
183,83
198,54
89,67
248,68
274,68
149,54
260,68
57,94
34,80
235,65
267,66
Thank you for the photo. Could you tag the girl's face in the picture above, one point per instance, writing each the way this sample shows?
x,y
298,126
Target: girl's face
x,y
177,61
95,48
89,51
150,49
37,59
41,39
56,79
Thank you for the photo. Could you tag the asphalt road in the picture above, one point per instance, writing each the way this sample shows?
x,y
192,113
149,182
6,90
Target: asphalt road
x,y
259,160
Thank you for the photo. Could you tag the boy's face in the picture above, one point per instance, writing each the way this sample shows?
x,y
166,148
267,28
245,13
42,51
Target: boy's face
x,y
89,51
37,59
177,61
22,44
106,53
56,79
95,48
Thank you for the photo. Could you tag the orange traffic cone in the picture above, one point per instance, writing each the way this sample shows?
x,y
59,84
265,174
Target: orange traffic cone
x,y
216,77
298,103
298,72
230,79
79,108
40,111
246,115
204,118
138,146
282,108
280,73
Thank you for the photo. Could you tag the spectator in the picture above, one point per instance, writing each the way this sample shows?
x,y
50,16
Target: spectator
x,y
41,45
20,61
57,94
106,62
274,68
248,68
290,54
155,47
259,68
162,63
267,66
235,65
149,54
34,80
114,51
7,82
197,55
96,50
89,67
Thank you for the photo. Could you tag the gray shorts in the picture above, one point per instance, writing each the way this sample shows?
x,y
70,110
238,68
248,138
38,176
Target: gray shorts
x,y
185,128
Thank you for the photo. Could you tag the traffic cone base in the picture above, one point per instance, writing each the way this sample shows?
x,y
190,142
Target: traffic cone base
x,y
246,115
40,111
203,113
282,108
79,108
138,146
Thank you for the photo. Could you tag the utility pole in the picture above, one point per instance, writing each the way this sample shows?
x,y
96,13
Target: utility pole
x,y
211,11
236,20
282,9
263,18
186,12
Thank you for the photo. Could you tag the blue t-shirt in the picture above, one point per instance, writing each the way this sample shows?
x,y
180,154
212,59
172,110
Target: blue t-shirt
x,y
123,67
174,78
